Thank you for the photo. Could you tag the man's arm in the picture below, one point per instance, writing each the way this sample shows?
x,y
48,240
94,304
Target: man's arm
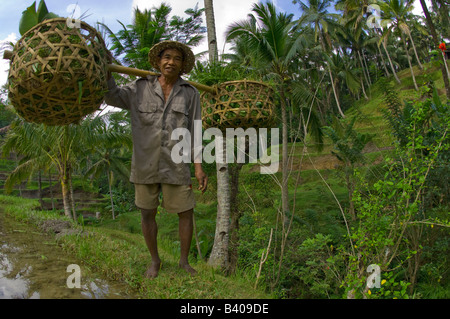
x,y
196,142
117,96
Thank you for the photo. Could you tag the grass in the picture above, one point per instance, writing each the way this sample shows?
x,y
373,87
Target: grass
x,y
122,255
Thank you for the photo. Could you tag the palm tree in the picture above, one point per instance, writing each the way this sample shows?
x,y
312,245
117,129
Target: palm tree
x,y
269,34
187,30
31,158
41,146
315,13
400,10
110,157
150,27
354,10
134,41
355,39
219,256
397,12
62,147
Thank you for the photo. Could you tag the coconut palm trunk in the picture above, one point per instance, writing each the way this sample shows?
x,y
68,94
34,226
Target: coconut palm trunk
x,y
383,62
211,31
65,190
390,62
219,255
110,181
363,68
409,62
414,49
331,78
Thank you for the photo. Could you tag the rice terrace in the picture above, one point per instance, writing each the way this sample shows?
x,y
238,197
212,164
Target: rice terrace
x,y
301,152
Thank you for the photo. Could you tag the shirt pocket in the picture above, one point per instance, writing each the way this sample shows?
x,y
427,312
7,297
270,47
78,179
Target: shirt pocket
x,y
147,112
179,115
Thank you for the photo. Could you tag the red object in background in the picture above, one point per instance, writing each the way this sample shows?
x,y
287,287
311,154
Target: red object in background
x,y
442,46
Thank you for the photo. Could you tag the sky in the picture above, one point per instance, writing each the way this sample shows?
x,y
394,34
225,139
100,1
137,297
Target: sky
x,y
110,11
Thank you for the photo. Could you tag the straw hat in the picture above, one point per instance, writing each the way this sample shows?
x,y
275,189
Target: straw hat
x,y
155,51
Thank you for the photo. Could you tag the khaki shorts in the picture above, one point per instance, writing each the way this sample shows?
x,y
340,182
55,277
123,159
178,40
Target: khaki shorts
x,y
175,198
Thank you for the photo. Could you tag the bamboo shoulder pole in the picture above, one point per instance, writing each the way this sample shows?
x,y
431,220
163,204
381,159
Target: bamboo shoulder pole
x,y
138,72
132,71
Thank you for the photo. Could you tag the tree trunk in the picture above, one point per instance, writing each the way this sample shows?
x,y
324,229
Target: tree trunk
x,y
363,56
72,199
51,188
363,68
110,193
65,196
364,91
434,35
235,216
415,51
409,63
331,77
383,62
211,30
390,63
285,157
219,253
335,93
40,189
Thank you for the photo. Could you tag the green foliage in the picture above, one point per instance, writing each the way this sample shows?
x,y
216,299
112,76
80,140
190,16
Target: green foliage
x,y
401,204
392,210
214,73
348,143
319,268
133,43
123,199
31,16
6,116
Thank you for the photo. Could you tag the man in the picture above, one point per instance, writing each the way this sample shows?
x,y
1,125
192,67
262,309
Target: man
x,y
158,105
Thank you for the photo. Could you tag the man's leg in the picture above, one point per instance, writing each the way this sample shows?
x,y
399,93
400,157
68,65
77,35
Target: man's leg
x,y
150,232
185,229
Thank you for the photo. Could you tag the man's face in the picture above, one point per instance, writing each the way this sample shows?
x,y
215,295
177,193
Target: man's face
x,y
170,63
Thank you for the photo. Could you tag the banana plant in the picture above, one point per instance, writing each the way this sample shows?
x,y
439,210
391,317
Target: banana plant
x,y
31,17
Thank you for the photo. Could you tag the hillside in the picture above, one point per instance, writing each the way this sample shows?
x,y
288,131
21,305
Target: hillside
x,y
116,247
370,119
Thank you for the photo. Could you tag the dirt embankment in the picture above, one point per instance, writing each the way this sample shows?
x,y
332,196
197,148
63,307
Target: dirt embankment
x,y
325,160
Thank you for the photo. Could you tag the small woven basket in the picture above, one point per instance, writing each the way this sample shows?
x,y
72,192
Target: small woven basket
x,y
58,74
238,104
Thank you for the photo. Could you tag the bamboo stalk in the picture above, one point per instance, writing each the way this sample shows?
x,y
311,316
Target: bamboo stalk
x,y
138,72
7,54
132,71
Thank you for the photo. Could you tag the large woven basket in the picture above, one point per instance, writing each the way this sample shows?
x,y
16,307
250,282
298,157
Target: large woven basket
x,y
238,104
58,74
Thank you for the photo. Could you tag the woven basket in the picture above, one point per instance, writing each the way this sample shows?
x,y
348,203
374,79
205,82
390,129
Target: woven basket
x,y
238,104
58,74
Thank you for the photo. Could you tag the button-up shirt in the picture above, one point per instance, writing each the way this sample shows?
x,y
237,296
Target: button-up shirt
x,y
152,121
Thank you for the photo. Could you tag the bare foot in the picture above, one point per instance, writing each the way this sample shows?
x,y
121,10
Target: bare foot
x,y
152,271
188,269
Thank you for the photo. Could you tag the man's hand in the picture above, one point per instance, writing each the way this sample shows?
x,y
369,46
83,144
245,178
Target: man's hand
x,y
201,177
